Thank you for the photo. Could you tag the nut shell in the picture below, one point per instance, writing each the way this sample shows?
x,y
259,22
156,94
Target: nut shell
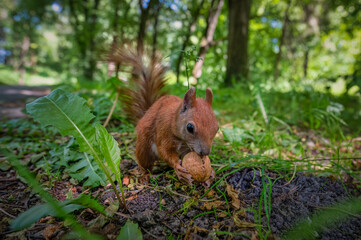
x,y
199,167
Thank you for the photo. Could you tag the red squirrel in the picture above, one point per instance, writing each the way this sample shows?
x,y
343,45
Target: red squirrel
x,y
167,126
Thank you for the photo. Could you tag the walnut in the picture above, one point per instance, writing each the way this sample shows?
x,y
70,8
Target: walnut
x,y
199,167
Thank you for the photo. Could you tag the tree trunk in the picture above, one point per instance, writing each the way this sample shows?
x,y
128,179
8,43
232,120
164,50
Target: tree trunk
x,y
24,51
286,21
207,40
89,70
305,63
143,23
312,30
155,28
237,50
111,65
191,29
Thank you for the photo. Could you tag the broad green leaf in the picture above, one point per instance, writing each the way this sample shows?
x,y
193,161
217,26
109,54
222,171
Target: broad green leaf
x,y
68,113
130,231
109,149
87,169
78,165
31,216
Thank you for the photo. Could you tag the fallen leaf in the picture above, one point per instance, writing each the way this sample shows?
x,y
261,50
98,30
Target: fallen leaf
x,y
214,204
218,225
50,230
243,224
194,230
126,180
210,194
135,172
48,219
236,202
221,214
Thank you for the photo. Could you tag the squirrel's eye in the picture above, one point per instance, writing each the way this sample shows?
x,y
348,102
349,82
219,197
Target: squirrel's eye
x,y
190,128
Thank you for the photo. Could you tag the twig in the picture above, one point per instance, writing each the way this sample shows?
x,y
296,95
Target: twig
x,y
8,179
5,212
155,237
7,185
112,109
263,110
293,175
122,215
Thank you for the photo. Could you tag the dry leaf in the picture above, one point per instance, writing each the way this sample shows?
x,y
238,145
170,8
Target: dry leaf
x,y
214,204
194,230
126,180
236,203
50,230
211,193
221,214
242,224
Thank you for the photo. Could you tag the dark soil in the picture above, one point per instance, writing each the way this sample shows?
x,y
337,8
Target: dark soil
x,y
295,200
163,213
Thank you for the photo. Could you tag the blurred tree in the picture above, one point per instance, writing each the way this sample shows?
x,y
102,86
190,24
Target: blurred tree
x,y
24,17
281,40
145,8
194,12
84,20
207,39
237,50
157,7
312,29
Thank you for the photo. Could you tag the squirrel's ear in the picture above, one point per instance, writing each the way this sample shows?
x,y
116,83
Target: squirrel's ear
x,y
209,96
189,99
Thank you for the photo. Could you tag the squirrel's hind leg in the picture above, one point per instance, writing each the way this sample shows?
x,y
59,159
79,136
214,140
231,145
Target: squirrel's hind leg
x,y
144,154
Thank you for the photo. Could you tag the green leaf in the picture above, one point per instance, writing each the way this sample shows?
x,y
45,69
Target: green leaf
x,y
109,149
308,227
31,216
86,168
130,231
26,219
68,113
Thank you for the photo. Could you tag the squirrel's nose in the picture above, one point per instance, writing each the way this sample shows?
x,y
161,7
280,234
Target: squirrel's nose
x,y
204,152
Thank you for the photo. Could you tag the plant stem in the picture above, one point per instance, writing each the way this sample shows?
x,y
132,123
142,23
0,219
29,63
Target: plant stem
x,y
112,109
186,62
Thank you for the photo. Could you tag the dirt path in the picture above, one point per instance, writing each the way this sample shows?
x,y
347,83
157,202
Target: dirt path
x,y
14,98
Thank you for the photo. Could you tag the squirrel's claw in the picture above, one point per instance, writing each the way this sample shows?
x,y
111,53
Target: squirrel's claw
x,y
183,175
209,181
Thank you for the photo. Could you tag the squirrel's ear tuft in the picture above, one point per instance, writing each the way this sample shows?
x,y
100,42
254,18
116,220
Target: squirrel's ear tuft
x,y
189,99
209,96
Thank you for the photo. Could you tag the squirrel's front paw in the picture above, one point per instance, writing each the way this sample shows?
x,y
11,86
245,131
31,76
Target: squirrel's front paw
x,y
183,175
209,181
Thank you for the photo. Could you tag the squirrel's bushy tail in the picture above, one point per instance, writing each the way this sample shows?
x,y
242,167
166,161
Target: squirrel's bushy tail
x,y
146,82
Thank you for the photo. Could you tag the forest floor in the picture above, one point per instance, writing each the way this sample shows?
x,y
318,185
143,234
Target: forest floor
x,y
246,203
13,99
